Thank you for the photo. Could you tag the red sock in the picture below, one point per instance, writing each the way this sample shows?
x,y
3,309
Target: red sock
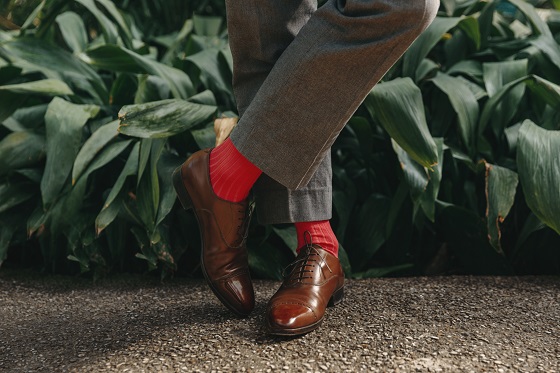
x,y
321,234
231,174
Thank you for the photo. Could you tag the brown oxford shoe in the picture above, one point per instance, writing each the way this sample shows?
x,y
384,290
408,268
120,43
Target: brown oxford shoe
x,y
223,226
316,280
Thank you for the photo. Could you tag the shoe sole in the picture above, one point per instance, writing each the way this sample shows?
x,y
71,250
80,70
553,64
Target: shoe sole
x,y
187,203
336,298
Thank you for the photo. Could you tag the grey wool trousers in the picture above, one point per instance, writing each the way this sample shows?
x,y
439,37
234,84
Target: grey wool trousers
x,y
299,73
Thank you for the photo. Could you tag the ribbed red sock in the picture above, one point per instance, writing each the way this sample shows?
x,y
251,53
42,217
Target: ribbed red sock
x,y
231,174
321,234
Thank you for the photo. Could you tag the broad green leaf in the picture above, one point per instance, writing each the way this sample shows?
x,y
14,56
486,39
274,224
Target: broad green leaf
x,y
539,25
114,12
501,184
55,62
549,47
162,118
49,87
74,200
426,69
64,123
425,42
532,224
115,58
429,197
465,105
130,168
496,75
207,25
539,172
19,150
92,147
10,103
151,88
73,31
369,227
467,238
168,162
289,236
208,63
415,175
109,29
13,194
204,137
33,15
382,271
545,90
399,107
267,261
6,233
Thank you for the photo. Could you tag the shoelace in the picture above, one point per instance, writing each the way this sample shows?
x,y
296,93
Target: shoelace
x,y
243,227
301,268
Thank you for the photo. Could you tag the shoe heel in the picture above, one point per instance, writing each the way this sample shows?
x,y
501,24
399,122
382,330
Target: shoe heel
x,y
337,297
182,194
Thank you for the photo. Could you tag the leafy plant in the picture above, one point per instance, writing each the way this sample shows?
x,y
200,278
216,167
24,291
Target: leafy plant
x,y
450,165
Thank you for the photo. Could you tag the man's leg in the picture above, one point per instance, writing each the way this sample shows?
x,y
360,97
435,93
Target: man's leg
x,y
321,79
259,32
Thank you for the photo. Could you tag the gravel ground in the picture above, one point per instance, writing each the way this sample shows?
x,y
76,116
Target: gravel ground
x,y
136,324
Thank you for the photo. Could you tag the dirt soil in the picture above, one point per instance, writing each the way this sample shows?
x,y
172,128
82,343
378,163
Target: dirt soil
x,y
137,324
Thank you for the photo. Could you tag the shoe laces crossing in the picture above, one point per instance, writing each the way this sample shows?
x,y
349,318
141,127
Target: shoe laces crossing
x,y
245,220
302,268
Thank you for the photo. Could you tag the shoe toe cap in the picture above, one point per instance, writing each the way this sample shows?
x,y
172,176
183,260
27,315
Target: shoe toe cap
x,y
290,316
239,294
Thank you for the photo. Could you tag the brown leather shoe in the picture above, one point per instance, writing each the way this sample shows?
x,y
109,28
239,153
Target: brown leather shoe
x,y
223,226
315,281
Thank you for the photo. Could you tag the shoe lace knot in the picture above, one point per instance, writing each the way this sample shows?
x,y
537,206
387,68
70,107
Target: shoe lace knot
x,y
305,264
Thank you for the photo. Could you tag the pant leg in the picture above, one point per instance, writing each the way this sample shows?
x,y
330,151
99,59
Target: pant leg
x,y
259,32
320,80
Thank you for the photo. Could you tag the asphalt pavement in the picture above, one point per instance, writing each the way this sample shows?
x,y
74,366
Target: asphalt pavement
x,y
138,324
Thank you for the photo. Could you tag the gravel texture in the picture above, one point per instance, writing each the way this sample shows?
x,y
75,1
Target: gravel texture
x,y
136,324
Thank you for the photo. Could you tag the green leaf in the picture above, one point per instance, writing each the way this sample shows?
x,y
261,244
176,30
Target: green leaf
x,y
168,162
207,25
162,118
501,184
288,235
39,55
369,227
382,271
536,21
151,88
12,195
539,173
549,47
92,147
415,175
130,168
48,87
545,90
19,150
64,124
429,197
109,29
115,58
6,233
204,137
73,31
425,42
114,12
465,105
398,106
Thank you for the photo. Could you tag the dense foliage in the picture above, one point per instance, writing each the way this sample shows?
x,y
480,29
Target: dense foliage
x,y
451,165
